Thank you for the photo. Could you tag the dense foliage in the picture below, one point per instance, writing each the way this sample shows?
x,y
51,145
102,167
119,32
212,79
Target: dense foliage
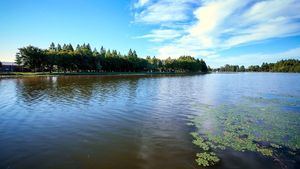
x,y
0,64
84,59
290,65
231,68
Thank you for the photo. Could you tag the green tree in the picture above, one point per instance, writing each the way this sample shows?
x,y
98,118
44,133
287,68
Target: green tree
x,y
70,47
242,68
52,47
67,59
18,61
78,47
59,47
31,57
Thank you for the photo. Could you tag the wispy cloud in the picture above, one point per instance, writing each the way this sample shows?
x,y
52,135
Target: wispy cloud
x,y
163,11
211,26
141,3
159,35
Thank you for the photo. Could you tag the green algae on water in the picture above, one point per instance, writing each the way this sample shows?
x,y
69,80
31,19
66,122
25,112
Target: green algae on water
x,y
264,129
207,159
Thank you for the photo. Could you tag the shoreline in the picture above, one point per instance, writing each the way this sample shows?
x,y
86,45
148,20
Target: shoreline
x,y
28,74
34,74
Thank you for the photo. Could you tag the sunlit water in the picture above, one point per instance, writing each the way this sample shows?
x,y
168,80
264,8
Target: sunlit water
x,y
93,122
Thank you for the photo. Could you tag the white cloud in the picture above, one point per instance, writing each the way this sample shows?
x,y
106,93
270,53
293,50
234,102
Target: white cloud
x,y
265,20
218,24
164,11
211,18
159,35
141,3
176,51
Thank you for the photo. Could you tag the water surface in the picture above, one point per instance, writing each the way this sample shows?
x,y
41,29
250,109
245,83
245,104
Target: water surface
x,y
129,122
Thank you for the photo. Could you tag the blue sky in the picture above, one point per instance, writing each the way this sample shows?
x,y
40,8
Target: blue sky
x,y
219,31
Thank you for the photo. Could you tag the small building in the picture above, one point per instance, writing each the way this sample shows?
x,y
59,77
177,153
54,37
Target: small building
x,y
9,67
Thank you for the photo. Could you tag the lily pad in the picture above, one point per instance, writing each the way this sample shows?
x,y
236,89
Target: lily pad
x,y
262,128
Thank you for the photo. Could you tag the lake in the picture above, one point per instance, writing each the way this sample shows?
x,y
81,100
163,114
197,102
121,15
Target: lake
x,y
144,122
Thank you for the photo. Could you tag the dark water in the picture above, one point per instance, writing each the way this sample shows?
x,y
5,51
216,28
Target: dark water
x,y
87,122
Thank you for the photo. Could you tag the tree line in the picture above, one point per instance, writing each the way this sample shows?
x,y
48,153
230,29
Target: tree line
x,y
83,59
289,65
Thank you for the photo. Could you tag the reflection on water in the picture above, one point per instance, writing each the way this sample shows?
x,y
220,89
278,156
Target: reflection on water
x,y
124,122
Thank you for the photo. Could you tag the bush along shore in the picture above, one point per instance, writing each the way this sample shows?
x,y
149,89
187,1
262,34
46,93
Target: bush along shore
x,y
289,65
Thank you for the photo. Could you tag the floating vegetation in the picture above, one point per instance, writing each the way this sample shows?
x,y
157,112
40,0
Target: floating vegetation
x,y
198,141
265,129
207,159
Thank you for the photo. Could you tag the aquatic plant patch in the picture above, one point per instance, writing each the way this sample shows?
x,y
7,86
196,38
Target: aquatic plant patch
x,y
247,126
